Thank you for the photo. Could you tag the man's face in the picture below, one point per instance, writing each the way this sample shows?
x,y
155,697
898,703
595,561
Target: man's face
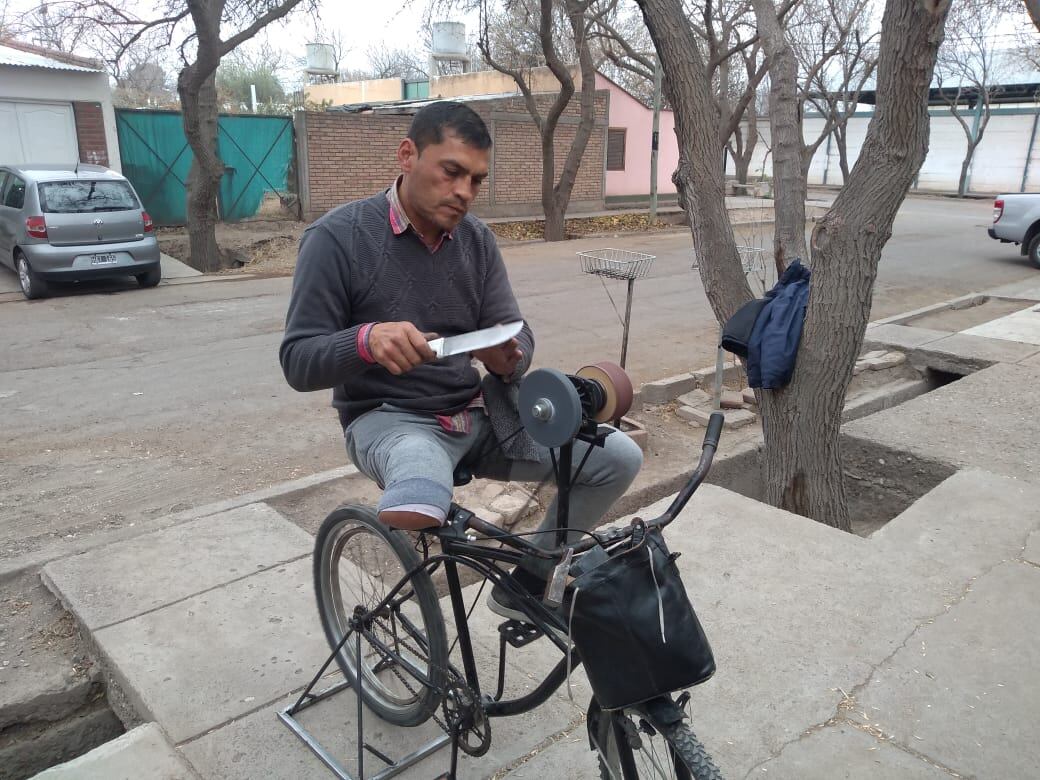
x,y
441,182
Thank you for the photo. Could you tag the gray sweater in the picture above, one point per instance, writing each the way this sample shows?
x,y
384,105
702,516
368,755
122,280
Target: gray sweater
x,y
352,270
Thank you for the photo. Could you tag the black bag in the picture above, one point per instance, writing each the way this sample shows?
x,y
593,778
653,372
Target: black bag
x,y
633,625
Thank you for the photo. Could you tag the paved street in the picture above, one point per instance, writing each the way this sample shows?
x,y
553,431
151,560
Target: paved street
x,y
125,404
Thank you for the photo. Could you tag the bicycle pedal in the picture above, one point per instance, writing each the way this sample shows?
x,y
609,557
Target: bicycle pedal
x,y
518,634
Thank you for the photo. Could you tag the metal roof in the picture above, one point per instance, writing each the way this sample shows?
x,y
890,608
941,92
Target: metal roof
x,y
26,59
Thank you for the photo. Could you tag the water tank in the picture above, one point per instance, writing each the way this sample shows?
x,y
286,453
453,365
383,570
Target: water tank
x,y
321,59
449,38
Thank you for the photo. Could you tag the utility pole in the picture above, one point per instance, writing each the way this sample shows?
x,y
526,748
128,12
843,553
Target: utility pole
x,y
655,138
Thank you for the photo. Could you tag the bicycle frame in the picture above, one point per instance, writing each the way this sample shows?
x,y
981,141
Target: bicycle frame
x,y
459,548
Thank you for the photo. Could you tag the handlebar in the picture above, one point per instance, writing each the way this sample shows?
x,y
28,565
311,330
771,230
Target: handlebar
x,y
708,448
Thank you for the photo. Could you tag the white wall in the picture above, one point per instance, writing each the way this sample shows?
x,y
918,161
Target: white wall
x,y
42,84
998,164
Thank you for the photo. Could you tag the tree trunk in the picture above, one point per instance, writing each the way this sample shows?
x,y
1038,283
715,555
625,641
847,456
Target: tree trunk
x,y
699,175
556,196
785,128
802,422
803,460
962,182
841,139
199,107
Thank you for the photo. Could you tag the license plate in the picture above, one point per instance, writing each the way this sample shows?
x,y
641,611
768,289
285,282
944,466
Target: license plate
x,y
109,259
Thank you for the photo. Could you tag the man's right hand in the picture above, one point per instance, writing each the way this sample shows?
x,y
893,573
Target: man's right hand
x,y
399,346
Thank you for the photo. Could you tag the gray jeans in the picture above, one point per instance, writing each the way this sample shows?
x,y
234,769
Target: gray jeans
x,y
413,459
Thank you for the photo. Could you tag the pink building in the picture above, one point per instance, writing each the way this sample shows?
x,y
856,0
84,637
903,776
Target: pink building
x,y
628,146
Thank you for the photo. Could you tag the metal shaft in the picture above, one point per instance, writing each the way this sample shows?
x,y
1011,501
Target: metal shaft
x,y
628,319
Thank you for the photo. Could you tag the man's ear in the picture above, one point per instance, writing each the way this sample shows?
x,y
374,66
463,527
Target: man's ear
x,y
407,154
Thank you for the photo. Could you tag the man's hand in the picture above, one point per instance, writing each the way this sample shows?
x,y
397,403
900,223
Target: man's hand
x,y
399,346
501,360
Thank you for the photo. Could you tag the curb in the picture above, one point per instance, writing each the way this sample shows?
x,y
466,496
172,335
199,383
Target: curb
x,y
17,567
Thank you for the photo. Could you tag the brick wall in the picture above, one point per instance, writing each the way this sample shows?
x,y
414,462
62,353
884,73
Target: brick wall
x,y
348,156
90,133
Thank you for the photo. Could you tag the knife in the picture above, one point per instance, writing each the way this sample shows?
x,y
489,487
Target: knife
x,y
477,339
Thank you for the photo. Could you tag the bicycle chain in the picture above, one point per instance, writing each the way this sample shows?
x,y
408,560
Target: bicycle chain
x,y
454,682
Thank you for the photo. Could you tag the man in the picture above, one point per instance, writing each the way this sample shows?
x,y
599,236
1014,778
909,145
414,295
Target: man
x,y
375,279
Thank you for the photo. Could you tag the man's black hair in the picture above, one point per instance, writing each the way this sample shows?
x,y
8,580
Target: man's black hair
x,y
430,122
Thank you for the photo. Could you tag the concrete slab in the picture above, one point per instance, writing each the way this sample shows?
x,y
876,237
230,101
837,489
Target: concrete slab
x,y
140,754
114,583
846,752
1032,360
972,667
971,522
172,268
568,758
1022,327
260,745
219,655
900,336
986,421
1031,554
1026,290
963,353
744,565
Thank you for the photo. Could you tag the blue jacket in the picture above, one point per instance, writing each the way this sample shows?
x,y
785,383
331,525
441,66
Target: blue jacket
x,y
773,346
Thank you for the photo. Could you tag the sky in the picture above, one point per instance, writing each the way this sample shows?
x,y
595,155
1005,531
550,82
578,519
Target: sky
x,y
393,23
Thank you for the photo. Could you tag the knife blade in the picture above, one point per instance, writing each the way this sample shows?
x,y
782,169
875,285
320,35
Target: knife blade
x,y
474,340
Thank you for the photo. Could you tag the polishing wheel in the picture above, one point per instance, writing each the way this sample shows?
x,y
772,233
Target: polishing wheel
x,y
617,387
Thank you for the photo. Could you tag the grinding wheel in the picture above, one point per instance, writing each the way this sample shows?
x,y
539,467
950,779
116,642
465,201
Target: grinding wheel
x,y
616,386
550,408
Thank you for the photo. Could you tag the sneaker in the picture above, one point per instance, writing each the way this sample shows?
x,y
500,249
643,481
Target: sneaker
x,y
502,602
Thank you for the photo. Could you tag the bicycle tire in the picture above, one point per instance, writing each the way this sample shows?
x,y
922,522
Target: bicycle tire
x,y
357,561
679,754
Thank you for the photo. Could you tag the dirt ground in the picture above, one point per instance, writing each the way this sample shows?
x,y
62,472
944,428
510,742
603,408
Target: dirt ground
x,y
268,247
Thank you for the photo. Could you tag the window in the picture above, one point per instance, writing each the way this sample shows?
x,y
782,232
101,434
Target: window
x,y
616,149
83,196
14,197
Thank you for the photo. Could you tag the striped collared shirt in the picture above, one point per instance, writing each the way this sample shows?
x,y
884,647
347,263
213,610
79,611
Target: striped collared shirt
x,y
399,221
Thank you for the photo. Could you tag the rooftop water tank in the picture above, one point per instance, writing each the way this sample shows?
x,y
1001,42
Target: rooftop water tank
x,y
321,59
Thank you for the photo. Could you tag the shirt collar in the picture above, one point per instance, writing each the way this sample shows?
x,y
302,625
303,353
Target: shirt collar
x,y
399,222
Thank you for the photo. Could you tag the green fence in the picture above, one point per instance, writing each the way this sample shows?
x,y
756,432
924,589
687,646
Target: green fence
x,y
256,151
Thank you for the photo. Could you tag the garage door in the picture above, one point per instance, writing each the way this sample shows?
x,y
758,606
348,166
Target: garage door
x,y
37,133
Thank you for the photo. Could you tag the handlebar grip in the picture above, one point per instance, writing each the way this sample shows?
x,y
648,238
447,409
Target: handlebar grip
x,y
714,429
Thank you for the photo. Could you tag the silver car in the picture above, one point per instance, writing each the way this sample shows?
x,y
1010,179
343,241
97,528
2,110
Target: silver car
x,y
65,223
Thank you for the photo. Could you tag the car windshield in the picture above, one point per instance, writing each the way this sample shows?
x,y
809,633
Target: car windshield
x,y
80,196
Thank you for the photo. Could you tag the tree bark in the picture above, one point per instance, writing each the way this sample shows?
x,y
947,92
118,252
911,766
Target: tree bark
x,y
785,128
699,174
199,107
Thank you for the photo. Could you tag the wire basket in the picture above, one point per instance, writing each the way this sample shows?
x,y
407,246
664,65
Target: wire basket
x,y
616,263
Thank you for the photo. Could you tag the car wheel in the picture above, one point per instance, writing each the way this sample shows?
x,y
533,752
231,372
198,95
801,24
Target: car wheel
x,y
1034,250
150,278
32,285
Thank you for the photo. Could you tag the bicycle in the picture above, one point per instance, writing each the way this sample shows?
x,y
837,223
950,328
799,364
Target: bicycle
x,y
374,586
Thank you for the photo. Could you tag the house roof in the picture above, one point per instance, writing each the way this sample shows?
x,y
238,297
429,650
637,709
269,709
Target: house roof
x,y
26,55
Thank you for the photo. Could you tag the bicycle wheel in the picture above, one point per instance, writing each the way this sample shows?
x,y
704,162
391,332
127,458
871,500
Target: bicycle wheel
x,y
357,562
645,749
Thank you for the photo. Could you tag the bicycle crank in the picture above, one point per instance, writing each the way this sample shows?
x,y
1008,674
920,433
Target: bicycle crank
x,y
464,714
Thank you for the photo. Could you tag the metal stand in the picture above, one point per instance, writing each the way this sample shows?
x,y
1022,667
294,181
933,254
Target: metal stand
x,y
308,699
622,265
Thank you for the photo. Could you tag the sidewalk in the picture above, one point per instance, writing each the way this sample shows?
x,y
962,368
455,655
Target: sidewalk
x,y
899,655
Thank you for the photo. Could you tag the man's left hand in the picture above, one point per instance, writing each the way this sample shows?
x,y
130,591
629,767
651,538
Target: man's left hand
x,y
501,360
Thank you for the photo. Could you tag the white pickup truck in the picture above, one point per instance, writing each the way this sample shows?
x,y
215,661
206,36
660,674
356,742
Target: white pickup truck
x,y
1016,219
